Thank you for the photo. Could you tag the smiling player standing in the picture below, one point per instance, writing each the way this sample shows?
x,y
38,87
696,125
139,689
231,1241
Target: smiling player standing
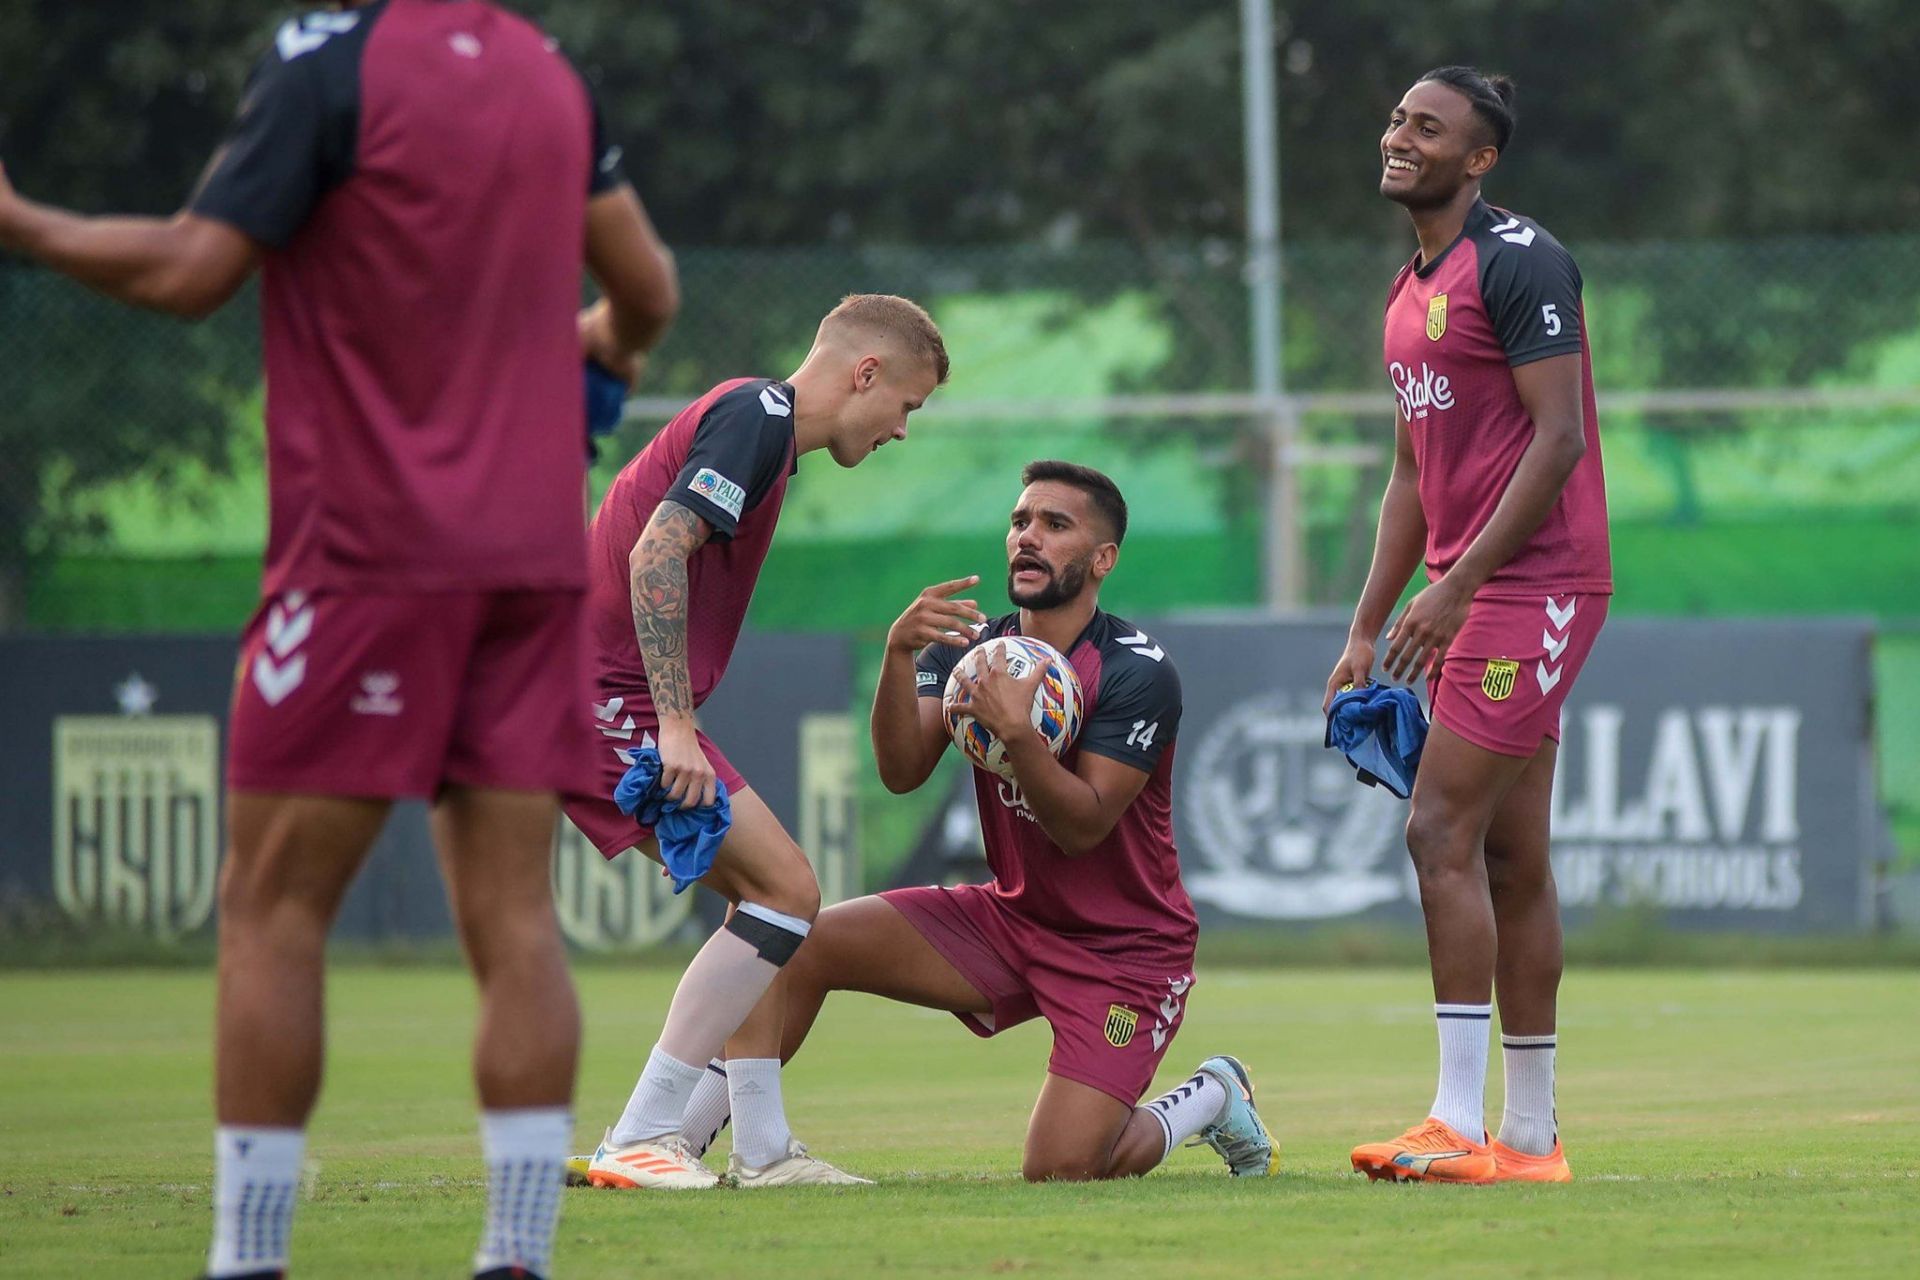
x,y
1497,477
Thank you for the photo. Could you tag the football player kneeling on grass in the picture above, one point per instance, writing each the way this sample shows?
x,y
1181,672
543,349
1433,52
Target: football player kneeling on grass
x,y
1085,922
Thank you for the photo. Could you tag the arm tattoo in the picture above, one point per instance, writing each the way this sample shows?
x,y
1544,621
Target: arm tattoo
x,y
659,590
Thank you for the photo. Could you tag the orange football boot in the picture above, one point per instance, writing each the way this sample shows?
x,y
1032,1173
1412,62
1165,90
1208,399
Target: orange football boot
x,y
1518,1166
1431,1151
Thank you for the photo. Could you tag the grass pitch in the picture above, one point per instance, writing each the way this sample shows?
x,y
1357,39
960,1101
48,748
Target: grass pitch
x,y
1718,1123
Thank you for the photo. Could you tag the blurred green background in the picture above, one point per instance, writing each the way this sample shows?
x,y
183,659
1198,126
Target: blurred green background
x,y
1720,171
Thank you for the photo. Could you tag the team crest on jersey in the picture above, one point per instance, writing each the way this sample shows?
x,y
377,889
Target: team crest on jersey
x,y
1497,683
1437,318
1120,1024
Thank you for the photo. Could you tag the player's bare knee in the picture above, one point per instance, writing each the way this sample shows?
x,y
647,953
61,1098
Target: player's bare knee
x,y
516,943
791,889
252,897
1516,878
1440,845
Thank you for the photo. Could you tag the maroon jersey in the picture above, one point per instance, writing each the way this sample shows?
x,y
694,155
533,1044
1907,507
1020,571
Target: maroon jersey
x,y
1123,898
726,457
418,172
1504,294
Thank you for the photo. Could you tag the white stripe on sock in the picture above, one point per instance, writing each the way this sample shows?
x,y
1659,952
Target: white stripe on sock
x,y
1460,1099
1528,1122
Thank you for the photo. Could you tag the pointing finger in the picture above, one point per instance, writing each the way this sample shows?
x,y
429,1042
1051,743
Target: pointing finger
x,y
949,588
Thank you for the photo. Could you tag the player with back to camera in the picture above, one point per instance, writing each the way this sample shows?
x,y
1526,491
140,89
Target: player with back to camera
x,y
420,185
675,551
1085,923
1497,479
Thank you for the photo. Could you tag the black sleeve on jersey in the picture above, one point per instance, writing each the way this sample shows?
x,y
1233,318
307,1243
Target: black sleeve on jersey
x,y
738,451
607,174
1532,295
936,663
1138,712
294,138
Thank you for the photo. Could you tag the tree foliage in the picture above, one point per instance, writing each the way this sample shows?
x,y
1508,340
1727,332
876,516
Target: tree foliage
x,y
864,123
949,121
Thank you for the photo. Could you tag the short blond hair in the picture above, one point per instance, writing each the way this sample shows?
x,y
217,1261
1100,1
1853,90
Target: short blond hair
x,y
898,319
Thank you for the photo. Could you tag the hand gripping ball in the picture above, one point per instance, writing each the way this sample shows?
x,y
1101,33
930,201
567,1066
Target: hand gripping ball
x,y
1057,702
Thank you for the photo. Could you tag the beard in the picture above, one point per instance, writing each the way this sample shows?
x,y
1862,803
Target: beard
x,y
1059,588
1425,194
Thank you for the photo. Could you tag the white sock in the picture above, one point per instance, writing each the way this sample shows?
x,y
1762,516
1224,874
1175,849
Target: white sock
x,y
708,1110
760,1132
659,1102
1185,1111
1528,1123
1461,1098
526,1154
256,1175
720,988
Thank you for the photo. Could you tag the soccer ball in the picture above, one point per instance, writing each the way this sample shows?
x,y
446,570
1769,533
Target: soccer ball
x,y
1057,702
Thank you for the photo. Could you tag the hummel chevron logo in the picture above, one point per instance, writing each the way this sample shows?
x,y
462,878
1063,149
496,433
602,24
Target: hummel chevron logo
x,y
774,403
626,753
1506,231
1547,679
1555,646
1141,643
1159,1038
299,36
1561,617
287,632
275,683
609,709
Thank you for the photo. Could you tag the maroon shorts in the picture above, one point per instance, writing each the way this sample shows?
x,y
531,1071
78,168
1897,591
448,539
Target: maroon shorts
x,y
592,809
363,694
1111,1026
1508,671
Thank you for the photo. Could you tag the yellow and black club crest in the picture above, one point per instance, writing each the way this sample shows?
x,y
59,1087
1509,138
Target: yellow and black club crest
x,y
1120,1024
1437,317
1497,684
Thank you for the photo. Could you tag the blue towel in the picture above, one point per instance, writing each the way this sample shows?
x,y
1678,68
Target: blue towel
x,y
1382,731
606,403
688,838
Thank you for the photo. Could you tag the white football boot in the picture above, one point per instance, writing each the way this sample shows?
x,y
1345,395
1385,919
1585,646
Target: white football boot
x,y
795,1169
665,1163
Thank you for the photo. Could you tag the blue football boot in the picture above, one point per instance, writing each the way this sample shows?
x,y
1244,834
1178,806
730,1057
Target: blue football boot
x,y
1238,1135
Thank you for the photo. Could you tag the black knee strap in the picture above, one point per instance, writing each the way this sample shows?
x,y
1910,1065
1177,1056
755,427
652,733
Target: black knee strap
x,y
773,944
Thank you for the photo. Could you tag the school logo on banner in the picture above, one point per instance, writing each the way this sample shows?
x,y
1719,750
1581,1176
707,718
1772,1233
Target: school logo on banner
x,y
1437,318
136,818
1120,1024
620,904
1497,683
1281,832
